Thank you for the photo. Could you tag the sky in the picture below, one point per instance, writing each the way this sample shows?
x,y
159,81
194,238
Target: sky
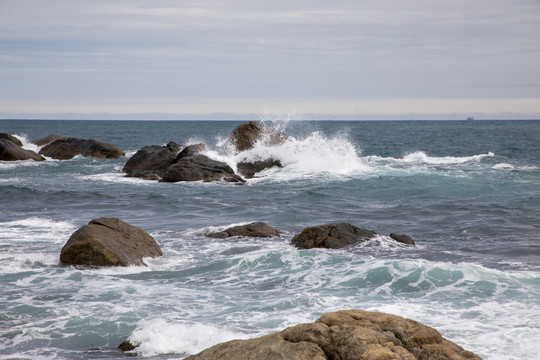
x,y
380,59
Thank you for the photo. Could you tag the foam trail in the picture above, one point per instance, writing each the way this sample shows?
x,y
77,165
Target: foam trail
x,y
421,157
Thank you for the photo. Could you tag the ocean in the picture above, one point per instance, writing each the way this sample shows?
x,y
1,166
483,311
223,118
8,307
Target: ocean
x,y
468,192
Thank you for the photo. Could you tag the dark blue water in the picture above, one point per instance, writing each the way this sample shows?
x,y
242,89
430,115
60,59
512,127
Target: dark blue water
x,y
468,192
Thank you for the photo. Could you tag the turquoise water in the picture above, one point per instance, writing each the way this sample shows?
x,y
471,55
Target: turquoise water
x,y
467,192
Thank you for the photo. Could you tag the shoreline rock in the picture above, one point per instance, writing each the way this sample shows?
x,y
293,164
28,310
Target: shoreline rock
x,y
345,335
109,242
11,138
48,139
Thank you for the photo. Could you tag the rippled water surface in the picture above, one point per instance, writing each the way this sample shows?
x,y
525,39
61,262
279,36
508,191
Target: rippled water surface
x,y
467,192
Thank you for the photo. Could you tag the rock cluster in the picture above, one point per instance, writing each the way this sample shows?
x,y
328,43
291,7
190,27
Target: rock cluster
x,y
345,335
336,236
109,242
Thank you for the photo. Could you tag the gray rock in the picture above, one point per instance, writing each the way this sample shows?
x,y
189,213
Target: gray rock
x,y
402,238
200,167
331,236
109,242
49,139
249,169
151,162
11,138
255,229
345,335
64,149
191,150
9,151
245,135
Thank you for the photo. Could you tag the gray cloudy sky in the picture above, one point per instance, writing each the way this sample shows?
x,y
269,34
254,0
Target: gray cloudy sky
x,y
338,57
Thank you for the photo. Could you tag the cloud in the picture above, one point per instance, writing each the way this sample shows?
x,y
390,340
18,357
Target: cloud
x,y
101,50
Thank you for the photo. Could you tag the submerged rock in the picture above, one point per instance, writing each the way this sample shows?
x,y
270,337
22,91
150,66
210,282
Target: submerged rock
x,y
109,242
9,151
255,229
11,138
200,167
49,139
151,162
65,149
345,335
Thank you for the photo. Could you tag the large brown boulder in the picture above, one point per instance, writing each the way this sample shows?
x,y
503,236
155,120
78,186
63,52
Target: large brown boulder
x,y
200,167
47,140
151,162
64,149
9,151
255,229
109,242
11,138
345,335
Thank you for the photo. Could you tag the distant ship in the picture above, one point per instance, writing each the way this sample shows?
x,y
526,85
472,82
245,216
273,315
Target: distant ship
x,y
470,118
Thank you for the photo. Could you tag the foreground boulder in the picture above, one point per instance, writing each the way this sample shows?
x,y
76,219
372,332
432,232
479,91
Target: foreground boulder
x,y
200,168
336,236
11,138
49,139
109,242
255,229
151,162
65,149
345,335
10,151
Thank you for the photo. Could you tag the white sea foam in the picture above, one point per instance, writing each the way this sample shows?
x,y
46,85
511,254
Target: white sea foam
x,y
421,157
159,336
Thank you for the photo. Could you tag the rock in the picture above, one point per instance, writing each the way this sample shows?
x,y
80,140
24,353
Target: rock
x,y
9,151
249,169
255,229
405,239
49,139
151,162
11,138
200,167
245,135
126,346
109,242
64,149
331,236
345,335
191,150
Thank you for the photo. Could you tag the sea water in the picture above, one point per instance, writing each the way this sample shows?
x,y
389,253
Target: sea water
x,y
468,192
